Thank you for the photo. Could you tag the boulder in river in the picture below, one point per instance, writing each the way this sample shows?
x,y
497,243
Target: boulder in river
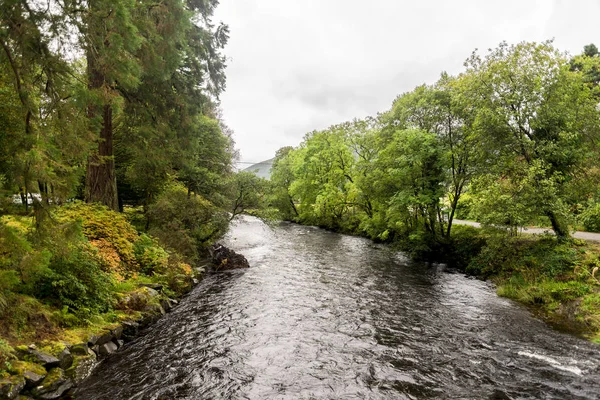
x,y
226,259
108,348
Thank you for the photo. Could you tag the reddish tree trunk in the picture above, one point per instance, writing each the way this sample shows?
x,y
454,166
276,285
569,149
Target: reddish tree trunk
x,y
101,178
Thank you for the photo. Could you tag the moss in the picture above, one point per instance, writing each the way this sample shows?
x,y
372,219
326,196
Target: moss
x,y
20,367
54,378
53,347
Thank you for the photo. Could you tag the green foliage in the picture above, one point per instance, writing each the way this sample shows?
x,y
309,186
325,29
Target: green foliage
x,y
465,206
414,170
106,229
150,256
21,267
7,354
590,218
535,118
545,257
185,222
248,191
282,177
466,242
74,277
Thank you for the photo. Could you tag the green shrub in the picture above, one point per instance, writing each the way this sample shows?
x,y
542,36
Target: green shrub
x,y
7,353
108,230
151,257
74,277
549,257
185,222
466,243
464,208
499,253
420,245
20,265
590,218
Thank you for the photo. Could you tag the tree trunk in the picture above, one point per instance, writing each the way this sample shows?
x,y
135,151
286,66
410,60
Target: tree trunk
x,y
293,205
101,178
559,227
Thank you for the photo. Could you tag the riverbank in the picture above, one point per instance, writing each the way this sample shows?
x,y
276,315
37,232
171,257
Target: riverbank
x,y
52,366
76,292
558,281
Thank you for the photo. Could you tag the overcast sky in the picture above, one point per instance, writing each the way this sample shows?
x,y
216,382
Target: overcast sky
x,y
299,65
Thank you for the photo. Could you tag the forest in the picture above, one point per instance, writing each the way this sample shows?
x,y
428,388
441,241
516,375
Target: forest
x,y
510,142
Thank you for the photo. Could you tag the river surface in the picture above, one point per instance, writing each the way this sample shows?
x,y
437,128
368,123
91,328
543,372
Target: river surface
x,y
321,315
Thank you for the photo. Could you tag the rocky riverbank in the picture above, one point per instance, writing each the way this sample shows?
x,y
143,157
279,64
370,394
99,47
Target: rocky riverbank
x,y
53,370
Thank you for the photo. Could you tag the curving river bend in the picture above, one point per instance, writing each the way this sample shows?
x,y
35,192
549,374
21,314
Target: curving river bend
x,y
321,315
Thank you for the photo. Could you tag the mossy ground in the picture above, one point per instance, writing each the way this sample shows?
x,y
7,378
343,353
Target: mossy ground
x,y
128,259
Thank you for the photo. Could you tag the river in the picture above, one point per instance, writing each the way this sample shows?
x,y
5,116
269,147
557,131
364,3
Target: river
x,y
321,315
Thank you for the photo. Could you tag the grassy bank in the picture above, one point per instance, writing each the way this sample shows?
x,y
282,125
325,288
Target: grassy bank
x,y
559,281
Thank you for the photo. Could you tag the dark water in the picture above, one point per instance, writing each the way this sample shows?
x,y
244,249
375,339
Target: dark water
x,y
326,316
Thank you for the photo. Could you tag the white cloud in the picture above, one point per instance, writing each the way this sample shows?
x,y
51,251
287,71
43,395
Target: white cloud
x,y
299,65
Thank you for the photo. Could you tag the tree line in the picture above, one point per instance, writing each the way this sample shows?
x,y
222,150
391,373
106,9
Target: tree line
x,y
510,141
112,101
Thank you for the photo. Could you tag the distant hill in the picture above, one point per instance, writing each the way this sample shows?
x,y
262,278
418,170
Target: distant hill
x,y
262,169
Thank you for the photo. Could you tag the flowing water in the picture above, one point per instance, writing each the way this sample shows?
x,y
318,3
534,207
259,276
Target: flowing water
x,y
321,315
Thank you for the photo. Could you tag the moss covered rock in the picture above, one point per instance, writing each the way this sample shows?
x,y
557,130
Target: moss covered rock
x,y
82,367
11,387
54,385
33,373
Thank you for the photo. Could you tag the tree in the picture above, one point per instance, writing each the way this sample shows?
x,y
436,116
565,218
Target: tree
x,y
414,169
248,193
171,128
282,177
324,185
442,110
533,114
588,63
47,138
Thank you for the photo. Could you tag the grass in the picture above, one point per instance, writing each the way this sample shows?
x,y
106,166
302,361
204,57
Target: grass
x,y
557,281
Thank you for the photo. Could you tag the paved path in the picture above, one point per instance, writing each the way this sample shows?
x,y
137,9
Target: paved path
x,y
594,237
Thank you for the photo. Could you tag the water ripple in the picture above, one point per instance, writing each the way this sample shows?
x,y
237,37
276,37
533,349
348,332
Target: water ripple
x,y
327,316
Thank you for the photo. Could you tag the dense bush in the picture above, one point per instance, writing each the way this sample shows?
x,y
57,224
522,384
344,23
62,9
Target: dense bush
x,y
107,230
499,253
21,267
6,354
534,258
590,218
151,257
465,244
57,265
184,222
74,277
